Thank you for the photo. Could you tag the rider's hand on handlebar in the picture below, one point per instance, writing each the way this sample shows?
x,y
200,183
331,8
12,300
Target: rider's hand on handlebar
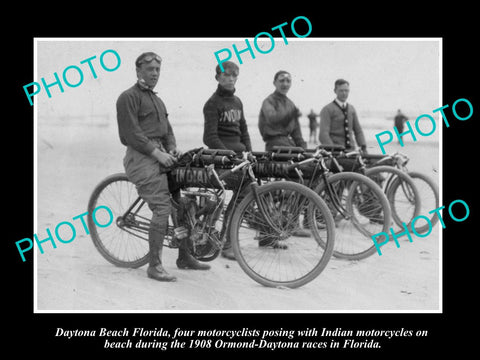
x,y
164,158
176,153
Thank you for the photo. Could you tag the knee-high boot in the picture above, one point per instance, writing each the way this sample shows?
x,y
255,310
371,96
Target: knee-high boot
x,y
155,269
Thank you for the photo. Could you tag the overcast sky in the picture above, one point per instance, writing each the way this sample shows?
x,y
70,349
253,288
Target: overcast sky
x,y
384,74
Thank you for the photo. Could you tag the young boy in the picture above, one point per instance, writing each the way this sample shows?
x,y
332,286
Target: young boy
x,y
225,126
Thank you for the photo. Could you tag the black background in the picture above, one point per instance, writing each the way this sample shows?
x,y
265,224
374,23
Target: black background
x,y
449,330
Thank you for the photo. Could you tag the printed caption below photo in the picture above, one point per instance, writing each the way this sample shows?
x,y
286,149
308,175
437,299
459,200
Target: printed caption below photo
x,y
245,338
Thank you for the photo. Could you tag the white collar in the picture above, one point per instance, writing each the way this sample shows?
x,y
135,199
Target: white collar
x,y
342,104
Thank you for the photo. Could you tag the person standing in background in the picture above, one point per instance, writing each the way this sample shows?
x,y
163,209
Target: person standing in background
x,y
313,124
399,120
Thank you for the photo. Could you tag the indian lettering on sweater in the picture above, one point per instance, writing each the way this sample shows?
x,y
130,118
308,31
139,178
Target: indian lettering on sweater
x,y
225,125
231,115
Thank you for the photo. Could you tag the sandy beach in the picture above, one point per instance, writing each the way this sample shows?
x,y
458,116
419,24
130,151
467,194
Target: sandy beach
x,y
74,156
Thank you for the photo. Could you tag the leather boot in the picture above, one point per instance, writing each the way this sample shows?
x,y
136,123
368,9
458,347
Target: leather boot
x,y
227,251
159,273
187,261
155,269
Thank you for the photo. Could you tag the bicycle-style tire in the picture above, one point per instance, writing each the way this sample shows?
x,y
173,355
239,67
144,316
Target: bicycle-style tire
x,y
116,245
273,265
401,184
367,213
430,198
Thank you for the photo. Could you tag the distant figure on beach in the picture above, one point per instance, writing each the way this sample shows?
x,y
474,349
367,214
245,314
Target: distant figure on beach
x,y
313,124
399,121
278,120
339,121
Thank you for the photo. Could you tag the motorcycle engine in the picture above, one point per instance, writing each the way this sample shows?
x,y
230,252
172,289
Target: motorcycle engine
x,y
197,216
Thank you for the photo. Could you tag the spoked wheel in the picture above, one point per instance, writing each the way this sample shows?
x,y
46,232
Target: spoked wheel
x,y
266,243
429,194
360,210
401,192
125,242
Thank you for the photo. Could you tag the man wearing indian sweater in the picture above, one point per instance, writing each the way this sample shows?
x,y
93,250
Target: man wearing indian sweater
x,y
225,126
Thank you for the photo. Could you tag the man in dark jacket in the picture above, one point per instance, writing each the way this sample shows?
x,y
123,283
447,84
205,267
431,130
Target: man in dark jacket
x,y
278,120
279,126
399,121
145,130
225,126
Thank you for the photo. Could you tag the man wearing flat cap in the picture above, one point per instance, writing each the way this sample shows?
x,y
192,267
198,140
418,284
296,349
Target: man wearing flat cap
x,y
145,130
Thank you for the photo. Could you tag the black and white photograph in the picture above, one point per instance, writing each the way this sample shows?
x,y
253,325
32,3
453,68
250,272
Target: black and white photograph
x,y
306,112
210,182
